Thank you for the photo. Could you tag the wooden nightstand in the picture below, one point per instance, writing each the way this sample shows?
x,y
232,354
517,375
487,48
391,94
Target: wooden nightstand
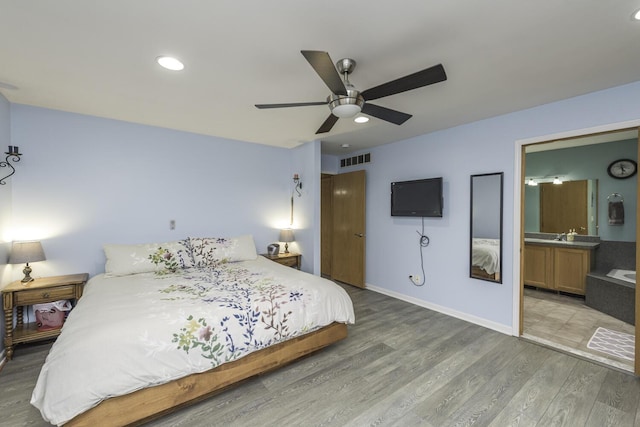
x,y
291,259
38,291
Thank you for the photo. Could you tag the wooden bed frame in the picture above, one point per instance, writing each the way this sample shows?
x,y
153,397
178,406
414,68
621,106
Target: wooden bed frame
x,y
143,405
479,272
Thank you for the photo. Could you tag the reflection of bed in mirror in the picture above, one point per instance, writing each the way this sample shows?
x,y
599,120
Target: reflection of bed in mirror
x,y
485,258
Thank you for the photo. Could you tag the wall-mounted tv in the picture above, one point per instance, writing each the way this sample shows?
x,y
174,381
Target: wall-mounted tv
x,y
422,197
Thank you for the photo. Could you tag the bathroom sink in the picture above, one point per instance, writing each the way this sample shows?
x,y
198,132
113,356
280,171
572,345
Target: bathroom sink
x,y
564,243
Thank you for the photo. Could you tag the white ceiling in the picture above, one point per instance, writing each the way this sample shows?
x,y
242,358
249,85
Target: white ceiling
x,y
98,58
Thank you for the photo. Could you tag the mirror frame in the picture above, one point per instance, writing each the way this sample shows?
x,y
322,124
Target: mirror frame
x,y
475,273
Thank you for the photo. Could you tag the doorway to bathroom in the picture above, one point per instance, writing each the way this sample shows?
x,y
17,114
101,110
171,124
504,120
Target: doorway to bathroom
x,y
568,298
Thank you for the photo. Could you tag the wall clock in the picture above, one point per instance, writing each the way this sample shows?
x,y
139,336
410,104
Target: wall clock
x,y
623,168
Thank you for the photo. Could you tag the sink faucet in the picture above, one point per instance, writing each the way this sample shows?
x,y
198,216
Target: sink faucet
x,y
561,237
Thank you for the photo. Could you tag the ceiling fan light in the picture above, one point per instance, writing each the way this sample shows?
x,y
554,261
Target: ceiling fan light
x,y
346,110
361,119
346,106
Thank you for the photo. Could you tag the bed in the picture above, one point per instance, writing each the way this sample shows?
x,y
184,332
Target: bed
x,y
168,324
485,258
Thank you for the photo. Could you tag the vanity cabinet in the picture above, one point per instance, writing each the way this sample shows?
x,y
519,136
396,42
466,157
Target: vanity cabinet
x,y
557,268
570,269
538,266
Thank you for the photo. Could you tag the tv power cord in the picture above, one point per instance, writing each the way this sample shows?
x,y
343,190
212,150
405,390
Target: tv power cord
x,y
423,242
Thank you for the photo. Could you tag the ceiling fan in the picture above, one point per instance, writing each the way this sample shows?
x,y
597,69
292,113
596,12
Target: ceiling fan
x,y
346,101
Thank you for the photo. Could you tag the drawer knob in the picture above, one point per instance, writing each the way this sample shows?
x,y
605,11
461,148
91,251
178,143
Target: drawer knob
x,y
45,295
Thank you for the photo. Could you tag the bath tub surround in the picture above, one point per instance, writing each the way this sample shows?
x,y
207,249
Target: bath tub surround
x,y
613,296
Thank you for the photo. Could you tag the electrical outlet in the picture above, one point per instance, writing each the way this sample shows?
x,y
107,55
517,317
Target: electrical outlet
x,y
172,224
415,279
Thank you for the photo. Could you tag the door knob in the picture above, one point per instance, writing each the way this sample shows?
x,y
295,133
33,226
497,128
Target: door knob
x,y
359,234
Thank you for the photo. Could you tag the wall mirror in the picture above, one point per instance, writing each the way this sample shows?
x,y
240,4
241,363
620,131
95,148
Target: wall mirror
x,y
486,227
558,208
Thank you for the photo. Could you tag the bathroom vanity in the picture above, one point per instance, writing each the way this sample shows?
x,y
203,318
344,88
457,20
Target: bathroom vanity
x,y
558,265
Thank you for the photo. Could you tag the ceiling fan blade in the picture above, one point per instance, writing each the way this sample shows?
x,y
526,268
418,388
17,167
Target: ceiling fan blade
x,y
328,124
384,113
422,78
323,65
294,104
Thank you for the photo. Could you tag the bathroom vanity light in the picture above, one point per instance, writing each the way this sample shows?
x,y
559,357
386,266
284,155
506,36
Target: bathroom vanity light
x,y
535,180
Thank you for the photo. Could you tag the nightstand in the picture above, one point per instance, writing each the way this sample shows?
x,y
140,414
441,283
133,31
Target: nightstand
x,y
290,259
47,289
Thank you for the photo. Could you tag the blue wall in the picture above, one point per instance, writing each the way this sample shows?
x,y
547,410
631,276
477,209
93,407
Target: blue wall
x,y
5,204
482,147
86,181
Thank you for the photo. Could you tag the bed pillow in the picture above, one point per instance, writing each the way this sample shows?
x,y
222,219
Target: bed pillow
x,y
210,251
160,258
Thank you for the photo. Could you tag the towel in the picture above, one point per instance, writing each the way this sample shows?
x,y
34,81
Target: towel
x,y
616,213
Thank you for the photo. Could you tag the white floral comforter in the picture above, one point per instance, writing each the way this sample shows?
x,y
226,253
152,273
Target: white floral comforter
x,y
131,332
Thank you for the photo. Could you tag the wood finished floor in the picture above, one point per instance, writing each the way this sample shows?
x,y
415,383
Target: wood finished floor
x,y
402,365
566,321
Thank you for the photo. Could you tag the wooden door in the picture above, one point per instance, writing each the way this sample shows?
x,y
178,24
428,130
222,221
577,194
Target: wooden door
x,y
564,207
348,253
326,224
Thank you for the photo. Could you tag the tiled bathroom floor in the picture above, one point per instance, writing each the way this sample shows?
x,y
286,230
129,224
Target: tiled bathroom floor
x,y
566,322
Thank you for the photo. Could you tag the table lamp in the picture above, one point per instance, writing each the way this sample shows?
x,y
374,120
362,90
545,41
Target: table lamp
x,y
286,236
26,252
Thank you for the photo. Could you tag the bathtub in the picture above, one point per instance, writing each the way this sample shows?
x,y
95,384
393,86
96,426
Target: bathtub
x,y
626,275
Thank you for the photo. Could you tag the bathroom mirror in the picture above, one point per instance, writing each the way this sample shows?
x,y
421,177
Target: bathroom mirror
x,y
552,208
486,227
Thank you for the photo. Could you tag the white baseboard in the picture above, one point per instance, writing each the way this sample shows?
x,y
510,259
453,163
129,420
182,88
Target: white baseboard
x,y
505,329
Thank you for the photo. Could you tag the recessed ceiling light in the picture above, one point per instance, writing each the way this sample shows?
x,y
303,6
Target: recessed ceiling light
x,y
345,145
170,63
361,119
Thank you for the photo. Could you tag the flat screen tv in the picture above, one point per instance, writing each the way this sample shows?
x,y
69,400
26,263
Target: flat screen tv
x,y
422,197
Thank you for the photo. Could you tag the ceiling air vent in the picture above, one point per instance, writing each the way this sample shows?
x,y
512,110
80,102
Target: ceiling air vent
x,y
355,160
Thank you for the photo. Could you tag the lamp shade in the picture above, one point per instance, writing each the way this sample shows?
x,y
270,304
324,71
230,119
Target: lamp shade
x,y
286,235
26,252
